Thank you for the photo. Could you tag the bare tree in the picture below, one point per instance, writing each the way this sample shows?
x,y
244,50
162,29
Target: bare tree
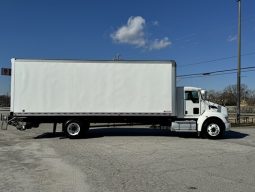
x,y
229,95
4,100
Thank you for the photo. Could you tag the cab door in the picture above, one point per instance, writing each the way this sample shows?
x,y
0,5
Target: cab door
x,y
192,104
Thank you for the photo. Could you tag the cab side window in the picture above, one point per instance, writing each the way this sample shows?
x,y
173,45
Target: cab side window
x,y
192,95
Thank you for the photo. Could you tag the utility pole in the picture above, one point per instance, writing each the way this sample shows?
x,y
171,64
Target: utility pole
x,y
239,65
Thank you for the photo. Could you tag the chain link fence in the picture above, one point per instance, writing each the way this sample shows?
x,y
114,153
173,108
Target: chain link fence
x,y
247,114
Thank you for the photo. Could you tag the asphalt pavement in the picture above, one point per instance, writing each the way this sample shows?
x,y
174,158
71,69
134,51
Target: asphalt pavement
x,y
126,159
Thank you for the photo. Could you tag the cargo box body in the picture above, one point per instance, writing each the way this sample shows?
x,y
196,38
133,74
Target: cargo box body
x,y
93,88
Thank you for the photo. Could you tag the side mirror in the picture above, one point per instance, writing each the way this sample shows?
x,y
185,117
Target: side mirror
x,y
204,94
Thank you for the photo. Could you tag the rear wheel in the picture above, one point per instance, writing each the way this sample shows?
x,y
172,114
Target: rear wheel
x,y
213,129
75,129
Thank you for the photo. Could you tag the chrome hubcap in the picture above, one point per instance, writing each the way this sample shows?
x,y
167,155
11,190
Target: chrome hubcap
x,y
213,130
73,129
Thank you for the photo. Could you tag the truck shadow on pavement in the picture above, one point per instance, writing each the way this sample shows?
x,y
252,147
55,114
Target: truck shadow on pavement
x,y
134,132
234,135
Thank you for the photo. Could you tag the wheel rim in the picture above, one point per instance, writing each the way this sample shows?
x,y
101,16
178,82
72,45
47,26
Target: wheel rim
x,y
73,129
213,130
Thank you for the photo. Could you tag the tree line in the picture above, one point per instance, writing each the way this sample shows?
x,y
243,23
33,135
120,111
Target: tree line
x,y
4,100
228,96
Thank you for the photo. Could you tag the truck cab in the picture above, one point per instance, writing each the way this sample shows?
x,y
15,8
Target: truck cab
x,y
196,113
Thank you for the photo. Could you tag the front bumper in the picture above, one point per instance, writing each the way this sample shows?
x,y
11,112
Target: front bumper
x,y
227,126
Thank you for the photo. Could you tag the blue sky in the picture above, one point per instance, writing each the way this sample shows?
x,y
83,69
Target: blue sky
x,y
182,30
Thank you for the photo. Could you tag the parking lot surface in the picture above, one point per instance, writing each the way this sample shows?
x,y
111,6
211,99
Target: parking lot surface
x,y
126,159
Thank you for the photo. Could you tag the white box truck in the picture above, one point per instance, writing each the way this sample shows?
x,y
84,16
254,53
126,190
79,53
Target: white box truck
x,y
78,94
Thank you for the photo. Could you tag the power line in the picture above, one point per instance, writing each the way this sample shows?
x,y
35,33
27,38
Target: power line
x,y
215,72
226,73
216,60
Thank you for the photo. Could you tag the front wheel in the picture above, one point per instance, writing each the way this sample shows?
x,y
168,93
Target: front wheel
x,y
213,129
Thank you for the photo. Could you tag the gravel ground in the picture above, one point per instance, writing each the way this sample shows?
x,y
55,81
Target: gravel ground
x,y
126,159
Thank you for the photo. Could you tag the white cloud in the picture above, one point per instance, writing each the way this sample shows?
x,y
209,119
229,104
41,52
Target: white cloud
x,y
232,38
160,43
133,33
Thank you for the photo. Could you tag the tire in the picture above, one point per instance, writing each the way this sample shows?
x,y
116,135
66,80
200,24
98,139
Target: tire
x,y
213,129
74,129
